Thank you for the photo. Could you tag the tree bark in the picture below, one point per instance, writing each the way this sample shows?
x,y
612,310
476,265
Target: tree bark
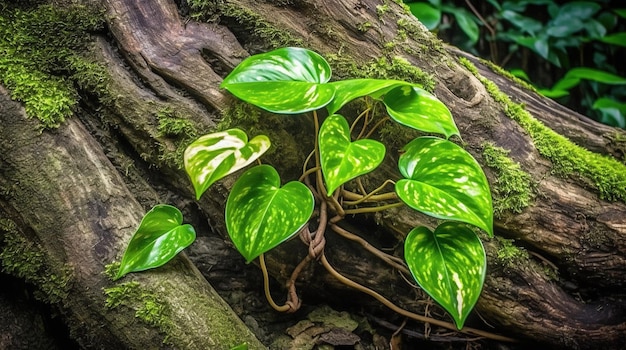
x,y
562,288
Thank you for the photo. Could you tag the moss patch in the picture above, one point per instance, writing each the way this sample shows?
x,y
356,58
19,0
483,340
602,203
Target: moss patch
x,y
605,174
508,254
505,73
513,189
179,130
147,305
254,26
26,260
39,63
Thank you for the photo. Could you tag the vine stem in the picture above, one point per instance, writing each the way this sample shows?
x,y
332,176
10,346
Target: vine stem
x,y
356,198
372,209
391,260
266,287
466,330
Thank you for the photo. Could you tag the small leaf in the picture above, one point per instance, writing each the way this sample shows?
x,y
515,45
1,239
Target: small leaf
x,y
449,264
576,10
446,182
260,214
418,109
287,80
467,24
620,12
526,24
595,75
341,159
213,156
158,239
426,13
615,39
605,102
348,90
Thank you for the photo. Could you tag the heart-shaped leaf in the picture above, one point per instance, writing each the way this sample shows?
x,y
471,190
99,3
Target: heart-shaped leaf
x,y
260,214
449,264
348,90
158,239
418,109
444,181
213,156
287,80
342,159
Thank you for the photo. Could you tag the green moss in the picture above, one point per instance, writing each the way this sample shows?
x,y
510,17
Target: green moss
x,y
39,61
254,25
364,27
605,174
513,188
508,254
173,125
180,131
382,10
147,305
505,73
382,68
26,260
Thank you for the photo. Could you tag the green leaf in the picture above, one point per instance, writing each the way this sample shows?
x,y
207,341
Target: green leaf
x,y
576,10
287,80
520,73
467,24
348,90
341,159
606,102
260,214
449,264
553,93
526,24
595,75
620,12
158,239
213,156
615,39
425,13
565,29
595,28
446,182
418,109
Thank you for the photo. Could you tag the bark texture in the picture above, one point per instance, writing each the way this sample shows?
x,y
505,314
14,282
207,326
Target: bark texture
x,y
563,288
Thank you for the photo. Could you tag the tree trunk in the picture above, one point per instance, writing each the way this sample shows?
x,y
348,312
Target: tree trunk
x,y
556,270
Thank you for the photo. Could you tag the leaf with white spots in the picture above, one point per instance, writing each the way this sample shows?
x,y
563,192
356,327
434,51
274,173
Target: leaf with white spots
x,y
418,109
445,181
340,158
287,80
160,236
449,264
260,214
213,156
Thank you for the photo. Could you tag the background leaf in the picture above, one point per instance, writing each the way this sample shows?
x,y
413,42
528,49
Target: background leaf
x,y
449,264
418,109
466,23
260,214
446,182
341,159
158,239
286,80
426,13
213,156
